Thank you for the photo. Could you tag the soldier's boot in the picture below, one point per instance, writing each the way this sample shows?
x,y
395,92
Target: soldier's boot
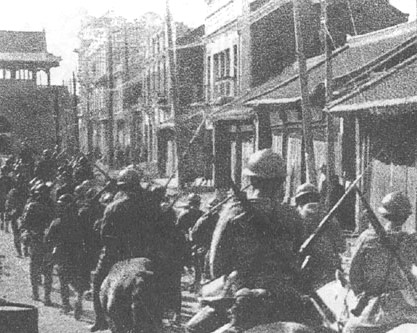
x,y
35,293
100,323
48,288
78,308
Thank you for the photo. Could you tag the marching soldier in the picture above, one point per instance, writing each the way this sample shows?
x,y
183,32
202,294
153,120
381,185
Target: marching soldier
x,y
15,203
386,298
186,220
324,257
6,184
46,167
82,170
89,213
126,232
254,244
200,235
65,237
36,219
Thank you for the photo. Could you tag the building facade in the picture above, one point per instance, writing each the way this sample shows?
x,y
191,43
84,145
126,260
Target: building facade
x,y
31,108
165,132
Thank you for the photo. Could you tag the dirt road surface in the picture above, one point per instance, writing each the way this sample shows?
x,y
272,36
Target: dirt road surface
x,y
15,287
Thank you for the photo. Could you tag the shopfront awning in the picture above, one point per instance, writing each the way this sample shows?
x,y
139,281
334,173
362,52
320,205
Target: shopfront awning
x,y
388,93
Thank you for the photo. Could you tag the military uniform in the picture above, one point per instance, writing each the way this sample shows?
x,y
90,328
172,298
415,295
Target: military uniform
x,y
15,203
6,184
125,233
65,236
375,273
36,219
89,213
325,252
260,247
201,234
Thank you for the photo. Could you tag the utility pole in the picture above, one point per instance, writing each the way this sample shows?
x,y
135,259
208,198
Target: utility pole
x,y
75,112
305,99
330,130
173,93
110,87
57,117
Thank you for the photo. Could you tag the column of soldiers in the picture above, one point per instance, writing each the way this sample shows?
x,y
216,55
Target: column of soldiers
x,y
248,248
49,223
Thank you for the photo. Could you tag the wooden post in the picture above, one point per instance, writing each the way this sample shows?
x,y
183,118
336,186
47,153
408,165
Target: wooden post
x,y
330,130
110,87
173,94
57,117
75,110
305,100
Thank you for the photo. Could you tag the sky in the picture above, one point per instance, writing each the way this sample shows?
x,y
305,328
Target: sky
x,y
61,20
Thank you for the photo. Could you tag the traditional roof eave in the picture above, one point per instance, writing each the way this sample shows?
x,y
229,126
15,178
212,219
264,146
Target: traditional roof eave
x,y
338,104
273,101
32,58
387,107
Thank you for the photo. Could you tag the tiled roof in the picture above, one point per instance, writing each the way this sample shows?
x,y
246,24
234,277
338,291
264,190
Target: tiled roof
x,y
29,57
394,89
359,51
22,41
25,46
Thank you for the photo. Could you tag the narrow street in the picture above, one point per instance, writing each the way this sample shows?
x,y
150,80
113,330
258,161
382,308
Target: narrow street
x,y
15,287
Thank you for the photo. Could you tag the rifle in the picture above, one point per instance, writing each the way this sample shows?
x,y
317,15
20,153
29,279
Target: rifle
x,y
308,243
385,241
104,173
265,230
221,203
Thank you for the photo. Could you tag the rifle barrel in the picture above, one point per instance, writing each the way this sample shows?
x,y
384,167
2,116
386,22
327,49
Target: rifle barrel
x,y
382,234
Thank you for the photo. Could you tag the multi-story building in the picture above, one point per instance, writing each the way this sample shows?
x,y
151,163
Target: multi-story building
x,y
250,52
31,108
111,56
163,130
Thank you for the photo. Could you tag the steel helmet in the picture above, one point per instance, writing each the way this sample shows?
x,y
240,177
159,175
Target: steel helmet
x,y
129,177
266,164
306,188
65,199
193,199
395,204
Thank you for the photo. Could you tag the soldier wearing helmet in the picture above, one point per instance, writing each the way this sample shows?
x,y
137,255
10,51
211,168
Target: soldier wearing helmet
x,y
14,205
65,238
125,231
46,168
375,277
190,214
254,243
324,255
37,216
6,184
82,170
200,236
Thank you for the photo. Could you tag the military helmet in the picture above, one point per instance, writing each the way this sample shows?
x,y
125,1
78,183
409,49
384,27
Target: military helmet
x,y
306,193
306,188
265,164
129,177
90,194
395,204
66,199
193,199
41,189
47,153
